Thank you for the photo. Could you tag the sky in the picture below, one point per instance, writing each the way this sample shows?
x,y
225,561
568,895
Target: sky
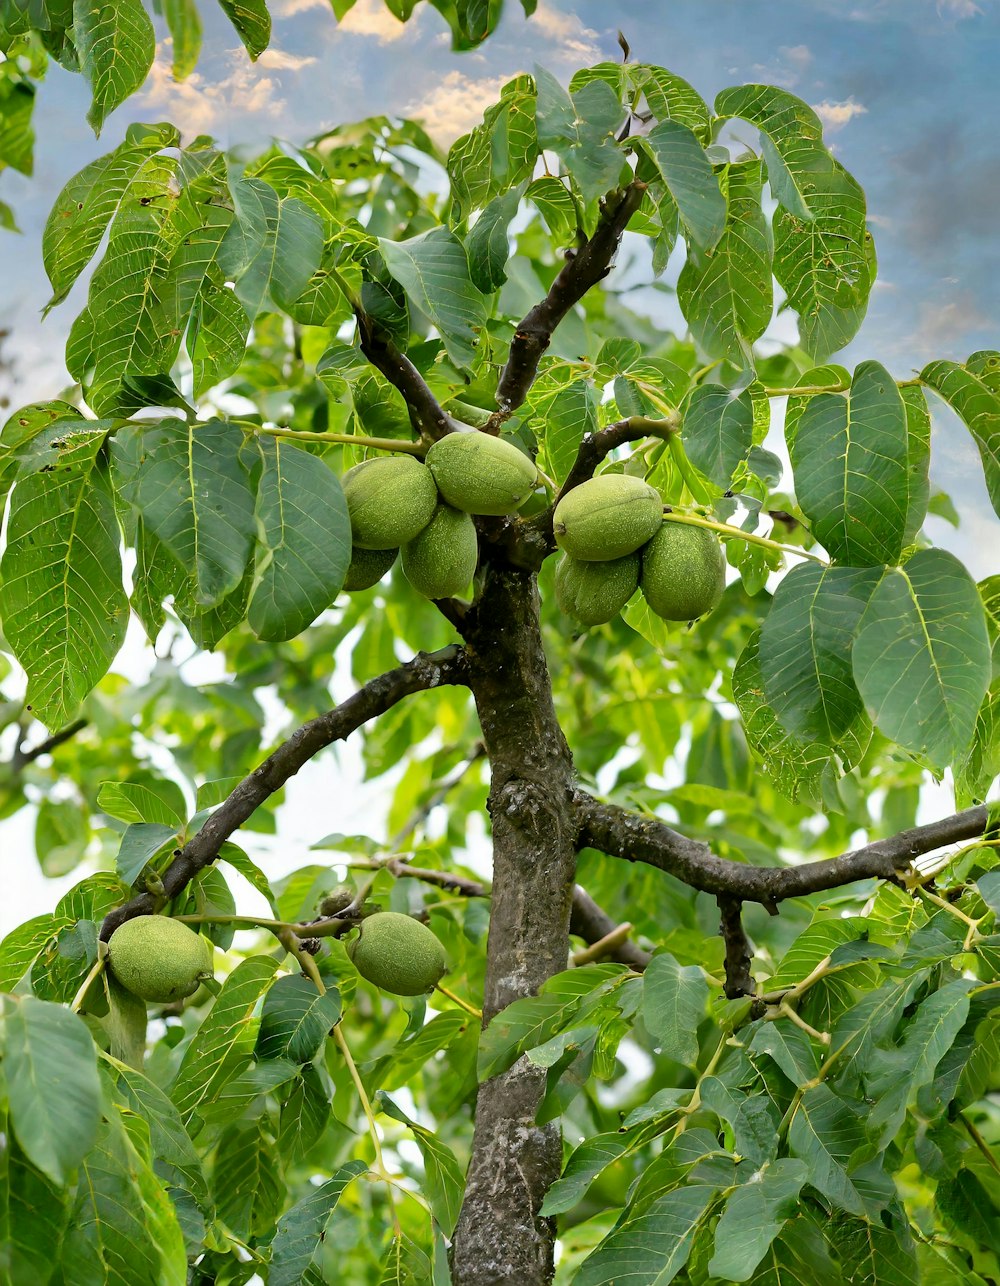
x,y
907,91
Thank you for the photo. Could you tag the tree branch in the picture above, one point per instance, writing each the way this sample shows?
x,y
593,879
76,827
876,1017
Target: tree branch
x,y
21,757
426,670
428,416
589,265
739,954
637,838
591,922
587,920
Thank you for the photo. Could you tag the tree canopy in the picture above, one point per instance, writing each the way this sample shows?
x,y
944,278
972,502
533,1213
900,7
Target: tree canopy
x,y
720,1010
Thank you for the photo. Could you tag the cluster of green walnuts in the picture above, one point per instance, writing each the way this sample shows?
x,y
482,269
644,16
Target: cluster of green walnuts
x,y
162,960
614,540
396,503
610,529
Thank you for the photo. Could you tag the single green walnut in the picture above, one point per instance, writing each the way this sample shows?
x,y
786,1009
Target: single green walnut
x,y
594,593
398,954
389,499
441,560
480,474
683,572
367,567
159,959
606,518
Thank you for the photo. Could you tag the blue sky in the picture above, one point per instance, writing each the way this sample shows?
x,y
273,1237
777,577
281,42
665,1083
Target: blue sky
x,y
907,90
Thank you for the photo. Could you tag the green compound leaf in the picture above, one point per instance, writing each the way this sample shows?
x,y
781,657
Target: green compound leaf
x,y
123,1229
922,656
225,1040
797,766
84,207
671,98
824,1133
727,297
823,254
22,946
271,249
498,154
972,398
655,1245
189,484
805,648
718,431
674,998
175,1153
303,541
63,607
252,22
300,1232
296,1020
851,462
116,44
50,1067
688,174
434,271
753,1217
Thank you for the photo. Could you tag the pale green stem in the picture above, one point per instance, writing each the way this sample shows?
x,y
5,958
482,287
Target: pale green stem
x,y
344,439
94,972
734,533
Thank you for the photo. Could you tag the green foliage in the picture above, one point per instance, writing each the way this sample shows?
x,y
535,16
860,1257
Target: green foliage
x,y
840,1125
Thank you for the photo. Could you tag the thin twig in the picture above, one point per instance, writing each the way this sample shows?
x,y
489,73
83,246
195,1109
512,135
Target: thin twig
x,y
21,757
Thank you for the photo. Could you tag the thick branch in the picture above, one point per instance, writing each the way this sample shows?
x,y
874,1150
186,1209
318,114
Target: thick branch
x,y
739,980
429,417
589,265
426,670
637,838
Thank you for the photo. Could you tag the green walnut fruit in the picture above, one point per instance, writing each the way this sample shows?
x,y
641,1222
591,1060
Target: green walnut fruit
x,y
398,954
683,572
367,567
480,474
159,959
441,561
595,593
607,518
390,499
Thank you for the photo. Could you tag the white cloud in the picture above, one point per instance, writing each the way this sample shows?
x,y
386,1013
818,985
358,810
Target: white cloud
x,y
200,106
372,18
455,105
836,115
958,9
576,43
281,61
799,56
289,8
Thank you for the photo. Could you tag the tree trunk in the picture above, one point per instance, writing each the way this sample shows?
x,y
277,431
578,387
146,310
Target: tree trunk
x,y
500,1239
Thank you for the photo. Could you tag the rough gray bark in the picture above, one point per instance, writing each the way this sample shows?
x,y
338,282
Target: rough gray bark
x,y
500,1239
